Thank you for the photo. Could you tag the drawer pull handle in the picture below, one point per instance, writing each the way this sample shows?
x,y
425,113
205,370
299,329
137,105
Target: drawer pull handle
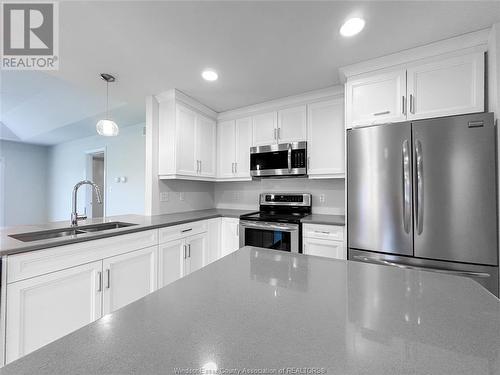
x,y
186,230
321,231
381,113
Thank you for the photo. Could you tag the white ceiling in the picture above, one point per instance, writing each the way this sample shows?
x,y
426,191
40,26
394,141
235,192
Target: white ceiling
x,y
261,50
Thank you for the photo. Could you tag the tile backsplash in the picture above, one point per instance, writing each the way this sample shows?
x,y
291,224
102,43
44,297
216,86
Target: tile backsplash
x,y
245,195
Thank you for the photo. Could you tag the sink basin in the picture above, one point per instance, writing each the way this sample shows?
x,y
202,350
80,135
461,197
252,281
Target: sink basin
x,y
46,234
105,226
68,232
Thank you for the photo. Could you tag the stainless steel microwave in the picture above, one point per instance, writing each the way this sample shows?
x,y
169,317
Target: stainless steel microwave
x,y
279,160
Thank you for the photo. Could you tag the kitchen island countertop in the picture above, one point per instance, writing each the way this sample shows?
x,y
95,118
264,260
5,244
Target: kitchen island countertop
x,y
261,309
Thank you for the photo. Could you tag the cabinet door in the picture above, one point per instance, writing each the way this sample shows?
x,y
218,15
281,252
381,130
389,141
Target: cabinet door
x,y
205,145
446,87
326,139
197,249
230,235
243,144
292,124
226,149
264,130
213,241
186,145
324,248
44,308
128,277
376,99
170,262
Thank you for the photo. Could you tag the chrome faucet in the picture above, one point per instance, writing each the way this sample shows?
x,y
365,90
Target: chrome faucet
x,y
74,214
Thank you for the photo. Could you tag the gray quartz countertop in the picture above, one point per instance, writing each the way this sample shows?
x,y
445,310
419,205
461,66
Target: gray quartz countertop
x,y
10,245
261,309
324,219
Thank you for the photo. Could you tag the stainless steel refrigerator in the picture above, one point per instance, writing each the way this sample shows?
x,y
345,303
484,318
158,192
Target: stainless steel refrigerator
x,y
423,194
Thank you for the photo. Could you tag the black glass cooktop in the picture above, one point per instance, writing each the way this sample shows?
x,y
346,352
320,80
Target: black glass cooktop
x,y
290,217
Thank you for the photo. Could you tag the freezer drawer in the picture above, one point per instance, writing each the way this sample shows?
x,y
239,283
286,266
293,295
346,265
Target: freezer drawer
x,y
487,276
455,198
379,189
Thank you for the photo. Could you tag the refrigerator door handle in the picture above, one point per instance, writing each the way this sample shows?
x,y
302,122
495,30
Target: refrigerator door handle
x,y
419,187
383,262
406,187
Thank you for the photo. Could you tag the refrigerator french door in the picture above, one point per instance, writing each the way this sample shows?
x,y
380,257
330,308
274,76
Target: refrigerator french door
x,y
423,194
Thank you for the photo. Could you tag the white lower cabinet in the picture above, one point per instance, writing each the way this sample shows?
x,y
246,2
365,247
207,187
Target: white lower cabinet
x,y
128,277
213,239
196,249
44,308
324,248
55,291
324,241
170,262
180,257
230,235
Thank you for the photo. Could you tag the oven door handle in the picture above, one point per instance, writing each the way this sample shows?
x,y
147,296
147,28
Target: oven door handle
x,y
266,225
383,262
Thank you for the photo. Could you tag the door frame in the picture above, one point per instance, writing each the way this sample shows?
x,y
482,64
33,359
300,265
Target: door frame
x,y
89,154
2,192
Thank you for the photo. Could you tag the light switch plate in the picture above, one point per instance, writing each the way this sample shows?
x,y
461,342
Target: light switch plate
x,y
181,196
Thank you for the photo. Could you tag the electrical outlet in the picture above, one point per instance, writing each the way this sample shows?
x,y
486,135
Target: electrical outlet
x,y
164,196
322,198
181,196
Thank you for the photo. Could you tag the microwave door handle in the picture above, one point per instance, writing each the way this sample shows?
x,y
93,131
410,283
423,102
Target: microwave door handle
x,y
289,158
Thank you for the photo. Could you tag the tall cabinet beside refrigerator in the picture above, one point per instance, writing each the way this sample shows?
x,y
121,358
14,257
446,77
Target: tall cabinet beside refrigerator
x,y
423,194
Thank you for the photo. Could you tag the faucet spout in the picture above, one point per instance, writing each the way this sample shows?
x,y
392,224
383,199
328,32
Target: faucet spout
x,y
74,212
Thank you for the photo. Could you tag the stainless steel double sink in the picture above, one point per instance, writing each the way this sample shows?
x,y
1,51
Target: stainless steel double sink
x,y
68,232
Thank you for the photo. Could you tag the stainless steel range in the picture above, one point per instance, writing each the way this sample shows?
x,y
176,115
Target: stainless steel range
x,y
277,224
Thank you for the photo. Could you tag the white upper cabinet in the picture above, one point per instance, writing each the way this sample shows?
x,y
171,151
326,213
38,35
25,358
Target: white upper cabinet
x,y
186,138
44,308
292,124
376,98
325,139
186,128
446,87
264,129
234,139
226,148
205,146
128,277
243,144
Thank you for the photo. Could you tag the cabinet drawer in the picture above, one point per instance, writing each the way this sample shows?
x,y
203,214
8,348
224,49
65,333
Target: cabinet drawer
x,y
327,232
179,231
23,266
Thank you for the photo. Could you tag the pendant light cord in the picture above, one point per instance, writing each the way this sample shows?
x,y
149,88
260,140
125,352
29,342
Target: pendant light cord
x,y
107,100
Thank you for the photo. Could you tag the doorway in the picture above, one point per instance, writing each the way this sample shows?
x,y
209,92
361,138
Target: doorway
x,y
96,172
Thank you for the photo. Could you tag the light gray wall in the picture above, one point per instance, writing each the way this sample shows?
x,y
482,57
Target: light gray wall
x,y
244,195
25,183
197,195
124,157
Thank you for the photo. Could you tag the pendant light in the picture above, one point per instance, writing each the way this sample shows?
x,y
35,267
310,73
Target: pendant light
x,y
107,127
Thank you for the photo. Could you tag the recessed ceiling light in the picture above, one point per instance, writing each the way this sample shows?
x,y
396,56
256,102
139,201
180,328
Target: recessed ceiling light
x,y
352,26
209,75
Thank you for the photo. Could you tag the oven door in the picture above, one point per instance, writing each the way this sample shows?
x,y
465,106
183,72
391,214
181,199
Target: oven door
x,y
277,236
